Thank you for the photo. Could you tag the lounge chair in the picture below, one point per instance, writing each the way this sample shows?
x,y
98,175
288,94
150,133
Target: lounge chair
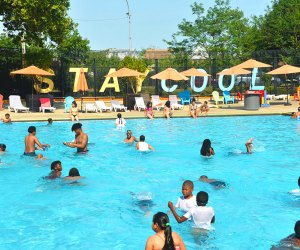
x,y
90,107
117,106
217,98
174,102
280,97
240,96
1,101
156,102
68,103
100,105
46,105
185,97
227,97
15,104
139,104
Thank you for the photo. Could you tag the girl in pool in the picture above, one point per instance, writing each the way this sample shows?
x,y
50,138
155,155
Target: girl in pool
x,y
167,110
74,111
73,175
149,111
206,149
164,237
194,109
120,122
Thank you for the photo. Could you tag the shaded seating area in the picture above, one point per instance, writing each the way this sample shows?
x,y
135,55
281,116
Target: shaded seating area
x,y
90,107
139,104
15,104
156,102
217,98
174,102
185,97
117,106
100,105
227,97
46,105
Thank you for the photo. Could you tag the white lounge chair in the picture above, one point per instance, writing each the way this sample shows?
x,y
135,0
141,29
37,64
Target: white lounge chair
x,y
117,106
174,102
46,105
139,104
156,102
100,105
15,104
280,97
90,107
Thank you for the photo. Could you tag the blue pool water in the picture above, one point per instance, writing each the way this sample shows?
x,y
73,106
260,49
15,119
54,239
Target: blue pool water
x,y
254,212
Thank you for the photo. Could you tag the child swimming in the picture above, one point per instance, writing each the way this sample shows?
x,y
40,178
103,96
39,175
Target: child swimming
x,y
206,149
56,169
217,184
73,175
187,200
143,146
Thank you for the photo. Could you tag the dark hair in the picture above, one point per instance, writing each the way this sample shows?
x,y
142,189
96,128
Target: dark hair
x,y
53,164
188,183
7,114
74,172
205,102
31,129
168,104
163,221
76,126
202,198
119,115
298,108
142,138
299,181
193,100
205,149
2,146
50,120
148,104
75,104
297,229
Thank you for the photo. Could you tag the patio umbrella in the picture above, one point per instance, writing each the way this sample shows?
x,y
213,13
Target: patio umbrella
x,y
285,70
251,64
193,72
32,71
124,72
234,71
170,74
81,85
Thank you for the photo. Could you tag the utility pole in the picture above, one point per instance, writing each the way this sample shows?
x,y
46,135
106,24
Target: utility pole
x,y
129,26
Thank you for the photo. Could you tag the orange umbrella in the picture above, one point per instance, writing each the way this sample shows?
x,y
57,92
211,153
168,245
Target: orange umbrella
x,y
82,84
234,71
193,72
170,74
251,63
284,70
32,70
124,72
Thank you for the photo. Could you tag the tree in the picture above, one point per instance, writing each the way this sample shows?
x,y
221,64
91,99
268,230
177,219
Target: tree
x,y
38,21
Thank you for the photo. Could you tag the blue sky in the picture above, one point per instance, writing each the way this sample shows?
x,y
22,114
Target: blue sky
x,y
152,21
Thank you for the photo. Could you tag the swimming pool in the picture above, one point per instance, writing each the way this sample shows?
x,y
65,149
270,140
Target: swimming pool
x,y
255,211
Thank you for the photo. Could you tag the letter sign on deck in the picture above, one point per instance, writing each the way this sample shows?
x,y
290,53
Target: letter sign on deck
x,y
110,85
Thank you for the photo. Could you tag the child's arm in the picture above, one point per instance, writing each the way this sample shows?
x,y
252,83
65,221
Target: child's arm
x,y
179,219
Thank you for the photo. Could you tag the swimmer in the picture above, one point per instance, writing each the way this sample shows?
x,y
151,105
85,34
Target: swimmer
x,y
206,149
73,175
292,240
296,191
217,184
50,121
74,112
120,122
56,169
249,146
130,138
164,237
187,200
296,115
2,147
31,140
81,139
143,146
6,118
40,157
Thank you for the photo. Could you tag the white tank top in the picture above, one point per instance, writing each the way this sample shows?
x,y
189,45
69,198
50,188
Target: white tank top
x,y
143,146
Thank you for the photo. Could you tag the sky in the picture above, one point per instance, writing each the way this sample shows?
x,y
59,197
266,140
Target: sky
x,y
105,23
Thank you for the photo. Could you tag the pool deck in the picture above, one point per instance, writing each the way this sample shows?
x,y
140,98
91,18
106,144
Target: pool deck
x,y
276,108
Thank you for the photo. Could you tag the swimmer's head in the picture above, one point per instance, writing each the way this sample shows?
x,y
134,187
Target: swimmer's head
x,y
188,183
7,116
187,188
161,220
56,165
76,127
297,229
50,121
299,181
39,156
32,129
74,172
142,138
119,115
129,133
203,177
2,147
202,198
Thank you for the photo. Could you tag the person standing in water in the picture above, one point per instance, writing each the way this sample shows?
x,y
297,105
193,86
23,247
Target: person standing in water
x,y
31,140
249,146
81,139
130,139
143,146
206,149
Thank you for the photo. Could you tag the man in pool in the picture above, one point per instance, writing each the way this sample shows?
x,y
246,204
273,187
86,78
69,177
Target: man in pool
x,y
130,138
31,140
293,240
81,139
143,146
217,184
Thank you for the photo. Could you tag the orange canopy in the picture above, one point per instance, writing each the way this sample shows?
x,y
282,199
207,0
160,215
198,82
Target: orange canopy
x,y
170,74
251,63
234,71
82,84
124,72
193,72
32,70
284,70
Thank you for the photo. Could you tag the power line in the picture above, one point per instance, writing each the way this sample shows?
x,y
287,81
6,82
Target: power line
x,y
100,20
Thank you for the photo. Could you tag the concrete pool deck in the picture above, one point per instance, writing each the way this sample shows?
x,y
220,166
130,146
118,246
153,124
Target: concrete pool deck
x,y
276,108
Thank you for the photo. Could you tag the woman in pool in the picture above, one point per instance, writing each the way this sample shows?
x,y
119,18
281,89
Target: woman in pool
x,y
73,175
206,149
74,111
120,122
149,111
194,109
167,110
164,237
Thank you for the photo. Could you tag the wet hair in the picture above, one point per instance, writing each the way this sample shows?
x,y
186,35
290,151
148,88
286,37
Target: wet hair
x,y
74,172
39,156
299,181
31,129
76,126
75,104
53,164
2,147
7,114
168,104
50,120
148,104
203,176
119,115
162,220
142,138
202,198
188,183
205,149
120,118
297,229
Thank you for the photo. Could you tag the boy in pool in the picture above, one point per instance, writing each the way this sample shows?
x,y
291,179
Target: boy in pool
x,y
293,240
6,119
217,184
143,146
56,169
50,121
130,139
31,140
249,146
81,139
187,200
202,215
2,147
